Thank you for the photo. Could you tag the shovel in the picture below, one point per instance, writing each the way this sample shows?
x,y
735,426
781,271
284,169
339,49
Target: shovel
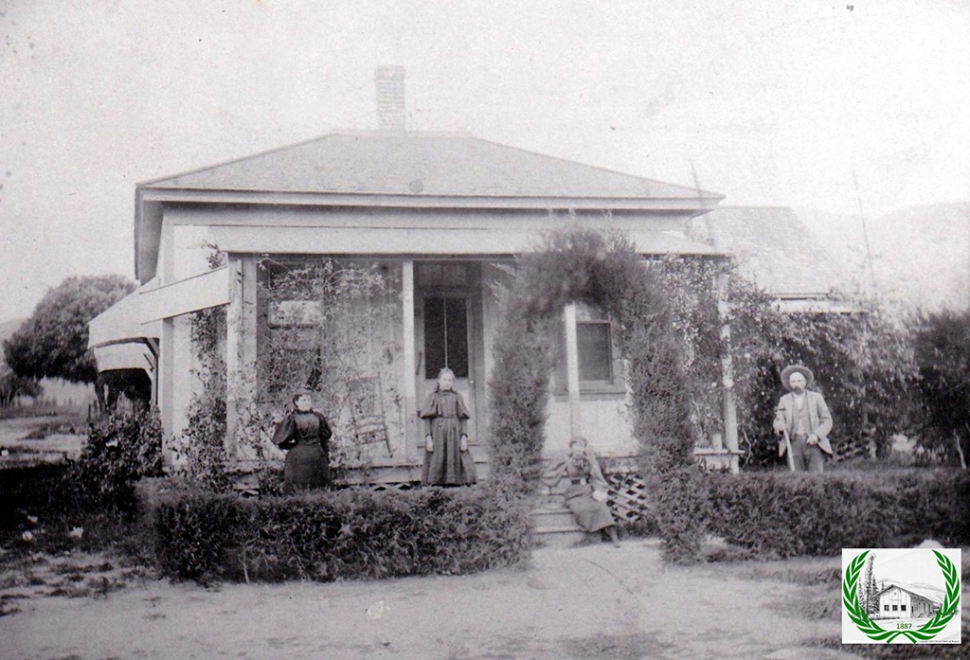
x,y
788,454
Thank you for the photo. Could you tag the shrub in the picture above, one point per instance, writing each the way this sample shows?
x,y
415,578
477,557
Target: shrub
x,y
942,349
121,448
781,514
605,271
351,533
682,508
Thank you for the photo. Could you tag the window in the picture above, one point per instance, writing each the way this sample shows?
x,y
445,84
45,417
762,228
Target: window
x,y
895,607
601,368
442,274
445,336
595,344
902,607
885,608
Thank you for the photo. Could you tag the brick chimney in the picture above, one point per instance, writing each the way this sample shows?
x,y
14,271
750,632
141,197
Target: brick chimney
x,y
389,81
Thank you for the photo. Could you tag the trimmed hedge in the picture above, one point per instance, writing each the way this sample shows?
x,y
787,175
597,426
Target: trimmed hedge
x,y
780,514
345,534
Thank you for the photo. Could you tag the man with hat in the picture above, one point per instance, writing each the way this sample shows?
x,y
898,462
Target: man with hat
x,y
804,417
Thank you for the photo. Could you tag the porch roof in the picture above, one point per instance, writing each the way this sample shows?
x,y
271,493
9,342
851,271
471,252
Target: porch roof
x,y
122,323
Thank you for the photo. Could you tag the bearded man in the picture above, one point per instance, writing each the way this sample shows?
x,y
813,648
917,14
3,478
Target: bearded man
x,y
804,417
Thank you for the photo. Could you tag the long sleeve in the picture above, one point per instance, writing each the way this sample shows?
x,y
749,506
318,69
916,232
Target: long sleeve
x,y
595,473
824,417
285,431
552,475
430,408
462,412
325,432
781,415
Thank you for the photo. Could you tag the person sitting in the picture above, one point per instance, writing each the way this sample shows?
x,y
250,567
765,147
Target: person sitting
x,y
586,489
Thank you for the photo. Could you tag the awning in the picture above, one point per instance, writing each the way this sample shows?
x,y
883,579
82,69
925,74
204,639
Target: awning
x,y
121,323
125,356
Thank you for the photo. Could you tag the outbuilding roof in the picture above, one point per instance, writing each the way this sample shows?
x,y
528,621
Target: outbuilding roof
x,y
774,247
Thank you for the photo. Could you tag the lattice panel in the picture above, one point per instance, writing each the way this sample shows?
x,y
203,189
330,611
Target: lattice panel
x,y
627,495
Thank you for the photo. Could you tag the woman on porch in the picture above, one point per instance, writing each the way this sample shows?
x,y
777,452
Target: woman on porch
x,y
447,461
305,434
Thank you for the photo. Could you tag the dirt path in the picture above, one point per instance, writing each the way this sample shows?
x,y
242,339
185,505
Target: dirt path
x,y
589,602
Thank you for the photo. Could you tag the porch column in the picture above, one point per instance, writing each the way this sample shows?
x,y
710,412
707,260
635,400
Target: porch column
x,y
572,371
727,371
165,382
408,382
240,349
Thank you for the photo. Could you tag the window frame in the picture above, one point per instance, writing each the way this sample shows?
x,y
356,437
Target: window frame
x,y
616,384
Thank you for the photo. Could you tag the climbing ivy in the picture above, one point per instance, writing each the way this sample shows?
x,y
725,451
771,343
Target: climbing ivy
x,y
603,270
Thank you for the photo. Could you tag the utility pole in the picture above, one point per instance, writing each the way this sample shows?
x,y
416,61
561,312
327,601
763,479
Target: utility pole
x,y
865,235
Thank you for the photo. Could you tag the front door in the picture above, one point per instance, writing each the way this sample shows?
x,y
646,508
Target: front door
x,y
448,334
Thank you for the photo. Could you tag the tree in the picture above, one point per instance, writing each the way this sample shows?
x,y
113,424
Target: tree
x,y
53,342
868,587
12,386
943,356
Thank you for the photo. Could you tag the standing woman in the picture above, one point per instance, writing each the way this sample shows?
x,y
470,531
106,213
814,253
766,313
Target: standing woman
x,y
305,433
447,461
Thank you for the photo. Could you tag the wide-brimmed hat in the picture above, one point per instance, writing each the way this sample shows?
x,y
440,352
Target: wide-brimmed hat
x,y
797,368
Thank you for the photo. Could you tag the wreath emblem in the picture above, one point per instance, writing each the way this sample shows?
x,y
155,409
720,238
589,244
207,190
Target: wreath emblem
x,y
928,631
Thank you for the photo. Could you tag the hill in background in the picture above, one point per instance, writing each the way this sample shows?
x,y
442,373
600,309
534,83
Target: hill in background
x,y
920,255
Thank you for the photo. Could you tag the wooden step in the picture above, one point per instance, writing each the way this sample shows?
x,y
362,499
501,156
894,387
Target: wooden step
x,y
565,538
547,518
554,526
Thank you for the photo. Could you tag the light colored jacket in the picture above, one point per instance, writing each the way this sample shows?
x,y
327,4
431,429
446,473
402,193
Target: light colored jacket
x,y
818,414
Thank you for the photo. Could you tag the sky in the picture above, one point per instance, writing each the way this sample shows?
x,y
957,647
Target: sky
x,y
768,102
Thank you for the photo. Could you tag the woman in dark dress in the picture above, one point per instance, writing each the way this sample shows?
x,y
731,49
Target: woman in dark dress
x,y
305,433
447,461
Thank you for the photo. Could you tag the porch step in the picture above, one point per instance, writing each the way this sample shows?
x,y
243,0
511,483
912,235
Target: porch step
x,y
554,526
543,519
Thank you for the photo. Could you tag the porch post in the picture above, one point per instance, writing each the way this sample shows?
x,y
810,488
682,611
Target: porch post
x,y
408,383
240,349
165,382
727,371
572,371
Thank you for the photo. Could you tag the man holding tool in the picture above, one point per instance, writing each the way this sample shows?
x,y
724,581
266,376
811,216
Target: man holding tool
x,y
803,421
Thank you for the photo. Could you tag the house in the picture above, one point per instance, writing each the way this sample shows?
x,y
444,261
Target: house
x,y
437,215
908,602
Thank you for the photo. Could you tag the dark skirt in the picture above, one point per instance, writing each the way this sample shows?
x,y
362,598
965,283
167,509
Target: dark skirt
x,y
447,465
590,514
307,466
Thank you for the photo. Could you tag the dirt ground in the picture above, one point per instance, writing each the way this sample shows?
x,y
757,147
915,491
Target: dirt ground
x,y
588,602
39,439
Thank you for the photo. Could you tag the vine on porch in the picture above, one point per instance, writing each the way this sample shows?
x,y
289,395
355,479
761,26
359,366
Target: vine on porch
x,y
332,330
324,325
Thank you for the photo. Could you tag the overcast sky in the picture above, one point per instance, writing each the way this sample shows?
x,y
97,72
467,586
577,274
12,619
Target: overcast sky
x,y
774,102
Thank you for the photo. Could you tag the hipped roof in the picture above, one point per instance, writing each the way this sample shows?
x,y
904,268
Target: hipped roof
x,y
420,164
773,246
405,170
